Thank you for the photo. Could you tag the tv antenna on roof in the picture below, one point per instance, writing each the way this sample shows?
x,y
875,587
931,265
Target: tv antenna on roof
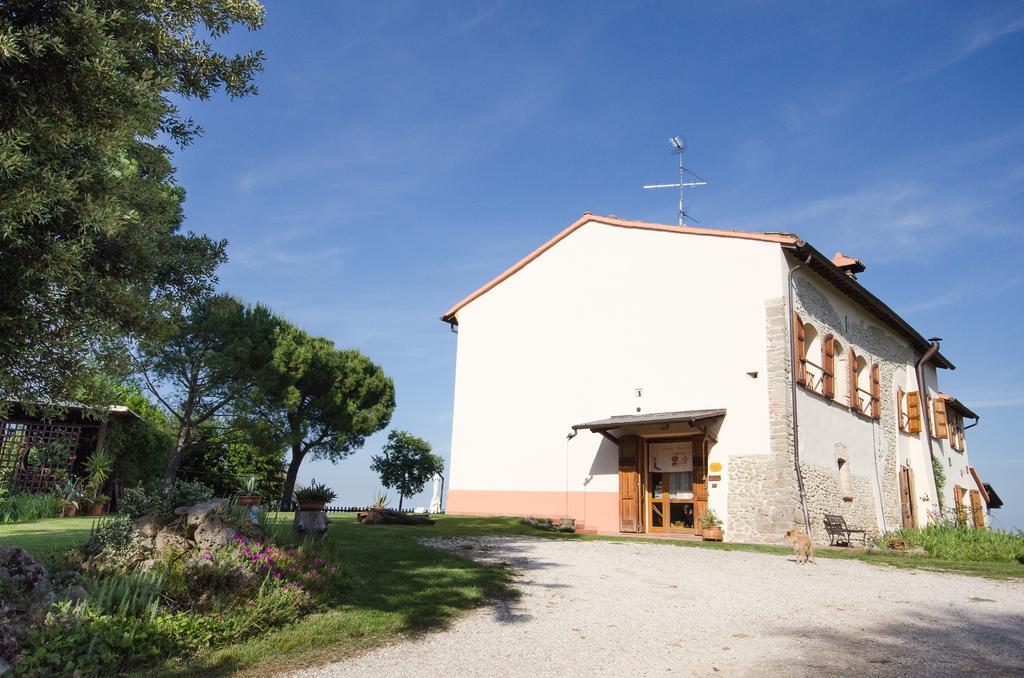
x,y
679,147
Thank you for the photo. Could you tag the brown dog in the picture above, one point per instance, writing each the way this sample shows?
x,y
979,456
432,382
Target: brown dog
x,y
801,546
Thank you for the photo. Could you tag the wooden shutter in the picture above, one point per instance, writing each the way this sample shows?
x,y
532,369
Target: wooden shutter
x,y
828,367
913,412
939,416
854,398
629,484
953,423
799,350
907,497
958,503
876,392
899,409
977,509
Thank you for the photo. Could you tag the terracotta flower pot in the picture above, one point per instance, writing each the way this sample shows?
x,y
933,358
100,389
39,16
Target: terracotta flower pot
x,y
95,510
311,505
249,500
70,511
713,533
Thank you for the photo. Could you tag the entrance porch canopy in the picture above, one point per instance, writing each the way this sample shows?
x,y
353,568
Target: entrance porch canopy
x,y
691,417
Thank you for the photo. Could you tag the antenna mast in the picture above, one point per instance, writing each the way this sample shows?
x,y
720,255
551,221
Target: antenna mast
x,y
679,147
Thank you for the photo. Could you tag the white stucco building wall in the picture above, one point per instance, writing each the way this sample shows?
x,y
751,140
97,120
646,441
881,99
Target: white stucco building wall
x,y
573,335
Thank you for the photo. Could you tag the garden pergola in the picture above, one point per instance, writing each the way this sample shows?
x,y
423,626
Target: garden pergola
x,y
37,448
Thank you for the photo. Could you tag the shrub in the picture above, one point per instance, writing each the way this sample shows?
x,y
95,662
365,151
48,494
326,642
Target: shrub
x,y
24,507
115,543
139,501
129,595
82,641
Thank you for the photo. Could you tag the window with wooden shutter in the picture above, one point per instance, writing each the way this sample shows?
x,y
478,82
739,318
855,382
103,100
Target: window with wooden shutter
x,y
799,350
828,367
913,412
876,392
855,403
900,419
939,423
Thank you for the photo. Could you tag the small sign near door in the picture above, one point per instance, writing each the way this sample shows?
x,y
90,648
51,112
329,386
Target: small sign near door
x,y
671,457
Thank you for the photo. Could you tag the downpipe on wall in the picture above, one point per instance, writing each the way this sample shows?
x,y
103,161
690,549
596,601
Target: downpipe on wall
x,y
926,415
792,379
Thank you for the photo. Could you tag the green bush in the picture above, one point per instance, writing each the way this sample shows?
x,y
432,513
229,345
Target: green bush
x,y
140,500
117,541
24,507
82,641
949,541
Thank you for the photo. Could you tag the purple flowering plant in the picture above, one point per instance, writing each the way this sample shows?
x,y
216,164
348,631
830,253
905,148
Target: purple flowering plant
x,y
294,568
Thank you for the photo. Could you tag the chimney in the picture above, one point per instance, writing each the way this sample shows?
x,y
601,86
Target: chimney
x,y
848,265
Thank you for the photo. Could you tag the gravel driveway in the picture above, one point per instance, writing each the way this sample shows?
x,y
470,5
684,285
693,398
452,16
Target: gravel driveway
x,y
593,608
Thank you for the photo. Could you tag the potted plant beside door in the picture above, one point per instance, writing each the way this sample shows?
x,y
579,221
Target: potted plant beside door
x,y
711,526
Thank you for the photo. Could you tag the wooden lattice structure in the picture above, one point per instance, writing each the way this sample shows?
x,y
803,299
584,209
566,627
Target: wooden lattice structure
x,y
35,452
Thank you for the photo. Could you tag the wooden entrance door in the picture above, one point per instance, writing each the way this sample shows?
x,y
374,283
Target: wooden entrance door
x,y
629,484
907,497
675,502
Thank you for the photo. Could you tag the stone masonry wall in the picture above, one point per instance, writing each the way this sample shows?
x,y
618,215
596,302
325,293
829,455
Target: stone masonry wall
x,y
764,499
892,357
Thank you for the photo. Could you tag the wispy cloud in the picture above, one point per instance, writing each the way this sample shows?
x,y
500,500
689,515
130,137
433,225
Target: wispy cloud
x,y
974,41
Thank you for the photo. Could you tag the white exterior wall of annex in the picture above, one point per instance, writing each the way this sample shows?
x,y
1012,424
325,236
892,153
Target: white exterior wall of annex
x,y
569,338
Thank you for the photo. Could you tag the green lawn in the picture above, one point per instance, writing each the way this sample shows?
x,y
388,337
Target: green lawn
x,y
394,585
43,538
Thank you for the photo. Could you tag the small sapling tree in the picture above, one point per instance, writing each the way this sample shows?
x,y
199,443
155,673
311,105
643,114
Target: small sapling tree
x,y
406,464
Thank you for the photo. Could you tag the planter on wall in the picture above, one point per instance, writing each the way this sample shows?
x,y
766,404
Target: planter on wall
x,y
309,505
250,500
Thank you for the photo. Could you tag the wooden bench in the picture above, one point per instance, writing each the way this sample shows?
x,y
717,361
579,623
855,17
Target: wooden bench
x,y
839,533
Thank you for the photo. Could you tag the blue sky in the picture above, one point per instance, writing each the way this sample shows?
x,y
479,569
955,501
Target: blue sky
x,y
400,154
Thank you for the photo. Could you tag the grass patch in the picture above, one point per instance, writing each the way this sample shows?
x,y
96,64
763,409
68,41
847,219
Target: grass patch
x,y
48,537
949,541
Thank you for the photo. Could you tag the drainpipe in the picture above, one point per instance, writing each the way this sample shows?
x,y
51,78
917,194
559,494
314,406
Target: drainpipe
x,y
792,379
926,415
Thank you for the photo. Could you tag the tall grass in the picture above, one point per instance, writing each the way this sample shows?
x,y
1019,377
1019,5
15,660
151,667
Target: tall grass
x,y
949,541
130,595
24,507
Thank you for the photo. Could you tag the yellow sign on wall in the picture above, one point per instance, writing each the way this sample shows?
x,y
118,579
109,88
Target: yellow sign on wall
x,y
715,467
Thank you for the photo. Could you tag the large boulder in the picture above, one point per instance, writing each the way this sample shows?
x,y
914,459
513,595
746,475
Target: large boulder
x,y
168,542
213,533
201,511
20,573
25,589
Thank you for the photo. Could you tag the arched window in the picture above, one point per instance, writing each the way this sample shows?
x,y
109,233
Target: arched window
x,y
812,351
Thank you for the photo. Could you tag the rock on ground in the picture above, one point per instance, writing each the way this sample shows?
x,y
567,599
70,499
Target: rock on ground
x,y
199,512
213,533
594,608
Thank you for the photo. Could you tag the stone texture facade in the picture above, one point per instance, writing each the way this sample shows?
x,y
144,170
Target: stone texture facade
x,y
764,499
878,346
